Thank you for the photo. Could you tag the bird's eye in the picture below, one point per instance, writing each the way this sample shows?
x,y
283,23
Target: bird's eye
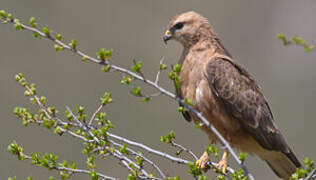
x,y
179,25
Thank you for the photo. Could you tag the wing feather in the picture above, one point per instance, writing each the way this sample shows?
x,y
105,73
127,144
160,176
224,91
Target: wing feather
x,y
243,100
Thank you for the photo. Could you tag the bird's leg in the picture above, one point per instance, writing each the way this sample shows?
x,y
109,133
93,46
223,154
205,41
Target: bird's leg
x,y
202,162
222,164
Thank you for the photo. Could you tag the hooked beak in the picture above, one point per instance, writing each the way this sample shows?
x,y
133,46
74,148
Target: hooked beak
x,y
167,36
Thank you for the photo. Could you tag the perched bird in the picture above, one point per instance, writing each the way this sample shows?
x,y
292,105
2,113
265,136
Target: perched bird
x,y
227,95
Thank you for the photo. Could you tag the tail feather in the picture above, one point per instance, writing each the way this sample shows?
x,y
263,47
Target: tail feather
x,y
283,165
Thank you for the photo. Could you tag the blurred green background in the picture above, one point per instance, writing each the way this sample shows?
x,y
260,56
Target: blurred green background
x,y
134,30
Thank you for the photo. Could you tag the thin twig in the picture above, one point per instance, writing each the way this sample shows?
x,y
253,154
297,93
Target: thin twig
x,y
182,148
140,72
84,172
143,157
311,174
159,71
95,114
149,149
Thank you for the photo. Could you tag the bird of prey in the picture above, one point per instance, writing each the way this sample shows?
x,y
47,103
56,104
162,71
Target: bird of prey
x,y
227,95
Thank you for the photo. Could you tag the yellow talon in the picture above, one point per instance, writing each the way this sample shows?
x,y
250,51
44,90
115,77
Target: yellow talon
x,y
202,162
222,164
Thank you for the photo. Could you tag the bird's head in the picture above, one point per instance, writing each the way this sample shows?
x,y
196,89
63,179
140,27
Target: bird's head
x,y
187,28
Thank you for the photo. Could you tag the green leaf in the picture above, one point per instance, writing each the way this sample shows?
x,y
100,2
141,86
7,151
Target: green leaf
x,y
107,98
58,47
139,161
106,68
146,99
73,44
168,138
173,178
137,67
15,149
104,54
298,40
35,159
46,31
73,165
124,150
18,25
188,101
177,81
194,169
130,177
32,22
94,175
177,68
48,123
58,130
239,175
282,37
210,149
180,109
3,14
80,109
172,75
18,76
198,125
35,34
10,16
48,160
91,162
68,115
58,37
137,91
222,177
242,156
163,66
42,99
308,48
127,80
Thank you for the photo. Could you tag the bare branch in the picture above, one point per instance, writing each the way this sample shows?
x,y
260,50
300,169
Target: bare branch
x,y
95,114
182,148
140,155
159,71
149,149
311,175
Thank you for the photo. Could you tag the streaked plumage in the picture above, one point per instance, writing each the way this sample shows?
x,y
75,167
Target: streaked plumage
x,y
227,95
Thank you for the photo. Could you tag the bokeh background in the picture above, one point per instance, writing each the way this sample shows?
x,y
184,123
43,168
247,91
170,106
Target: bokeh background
x,y
134,29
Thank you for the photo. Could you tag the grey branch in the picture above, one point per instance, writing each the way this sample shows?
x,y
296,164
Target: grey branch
x,y
182,148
